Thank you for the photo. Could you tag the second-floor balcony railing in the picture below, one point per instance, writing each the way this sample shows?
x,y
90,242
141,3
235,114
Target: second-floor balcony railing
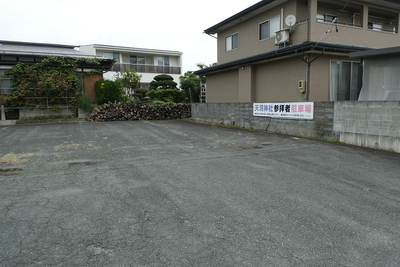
x,y
147,68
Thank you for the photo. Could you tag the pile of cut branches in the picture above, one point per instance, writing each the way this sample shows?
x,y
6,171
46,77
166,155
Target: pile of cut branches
x,y
129,110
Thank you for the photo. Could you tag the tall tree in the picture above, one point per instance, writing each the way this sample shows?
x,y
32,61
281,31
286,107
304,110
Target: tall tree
x,y
129,79
191,83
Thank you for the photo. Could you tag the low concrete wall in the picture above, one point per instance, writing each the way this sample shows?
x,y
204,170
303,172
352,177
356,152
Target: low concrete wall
x,y
241,114
372,124
368,124
27,113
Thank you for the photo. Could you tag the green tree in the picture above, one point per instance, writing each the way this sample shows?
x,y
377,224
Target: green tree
x,y
163,81
203,66
191,83
109,91
129,80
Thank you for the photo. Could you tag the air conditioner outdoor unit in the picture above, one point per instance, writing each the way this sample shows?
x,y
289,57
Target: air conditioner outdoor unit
x,y
282,36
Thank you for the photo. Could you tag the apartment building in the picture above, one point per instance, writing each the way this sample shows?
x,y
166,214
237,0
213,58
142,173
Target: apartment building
x,y
147,62
298,50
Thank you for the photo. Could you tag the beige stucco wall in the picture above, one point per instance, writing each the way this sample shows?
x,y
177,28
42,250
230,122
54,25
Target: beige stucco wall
x,y
249,43
278,80
223,87
273,81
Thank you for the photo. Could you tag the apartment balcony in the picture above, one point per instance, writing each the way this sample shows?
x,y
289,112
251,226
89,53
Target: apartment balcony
x,y
147,68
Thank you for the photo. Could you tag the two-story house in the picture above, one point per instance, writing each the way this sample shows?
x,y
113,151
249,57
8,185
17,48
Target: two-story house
x,y
13,52
298,50
147,62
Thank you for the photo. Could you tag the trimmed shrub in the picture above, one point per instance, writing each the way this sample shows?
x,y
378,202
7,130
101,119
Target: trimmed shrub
x,y
163,81
167,95
109,91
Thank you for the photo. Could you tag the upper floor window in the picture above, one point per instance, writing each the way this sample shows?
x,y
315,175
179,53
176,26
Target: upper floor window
x,y
112,55
137,60
163,60
382,20
232,42
374,26
269,28
325,18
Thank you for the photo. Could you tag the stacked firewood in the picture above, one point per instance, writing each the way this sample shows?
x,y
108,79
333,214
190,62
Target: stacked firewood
x,y
125,111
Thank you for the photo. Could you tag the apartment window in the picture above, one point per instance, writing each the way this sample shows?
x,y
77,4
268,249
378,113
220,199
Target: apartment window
x,y
111,55
382,20
163,60
269,28
344,83
232,42
137,60
375,26
325,18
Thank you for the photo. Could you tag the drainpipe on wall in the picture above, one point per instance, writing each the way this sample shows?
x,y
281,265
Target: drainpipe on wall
x,y
308,68
307,60
309,21
308,79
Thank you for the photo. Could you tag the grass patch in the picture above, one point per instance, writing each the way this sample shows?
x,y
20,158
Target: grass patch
x,y
12,158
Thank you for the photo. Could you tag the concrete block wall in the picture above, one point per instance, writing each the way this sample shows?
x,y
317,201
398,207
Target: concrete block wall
x,y
241,114
367,124
374,124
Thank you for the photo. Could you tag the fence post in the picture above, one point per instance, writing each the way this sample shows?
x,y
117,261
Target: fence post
x,y
3,114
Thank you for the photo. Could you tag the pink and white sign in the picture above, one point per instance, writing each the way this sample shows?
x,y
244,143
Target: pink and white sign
x,y
298,110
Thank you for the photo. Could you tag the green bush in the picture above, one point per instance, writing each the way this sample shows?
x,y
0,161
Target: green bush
x,y
84,103
141,92
109,91
167,95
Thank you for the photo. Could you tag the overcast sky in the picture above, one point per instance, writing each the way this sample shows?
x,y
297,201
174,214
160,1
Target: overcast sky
x,y
170,25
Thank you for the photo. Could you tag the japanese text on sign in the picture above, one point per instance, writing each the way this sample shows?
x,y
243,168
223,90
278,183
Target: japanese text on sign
x,y
299,110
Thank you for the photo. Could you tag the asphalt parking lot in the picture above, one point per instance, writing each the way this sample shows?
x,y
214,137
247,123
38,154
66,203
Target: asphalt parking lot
x,y
179,193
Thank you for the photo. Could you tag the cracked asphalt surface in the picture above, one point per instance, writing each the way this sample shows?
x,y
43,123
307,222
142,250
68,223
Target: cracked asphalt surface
x,y
178,193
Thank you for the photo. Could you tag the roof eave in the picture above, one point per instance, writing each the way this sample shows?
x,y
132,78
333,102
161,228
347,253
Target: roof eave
x,y
376,52
216,28
38,44
283,52
135,49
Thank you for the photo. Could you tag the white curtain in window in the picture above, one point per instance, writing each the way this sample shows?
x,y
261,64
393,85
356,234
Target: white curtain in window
x,y
381,79
228,43
334,80
275,25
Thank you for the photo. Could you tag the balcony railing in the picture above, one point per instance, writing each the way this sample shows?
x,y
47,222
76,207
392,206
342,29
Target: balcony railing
x,y
147,68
